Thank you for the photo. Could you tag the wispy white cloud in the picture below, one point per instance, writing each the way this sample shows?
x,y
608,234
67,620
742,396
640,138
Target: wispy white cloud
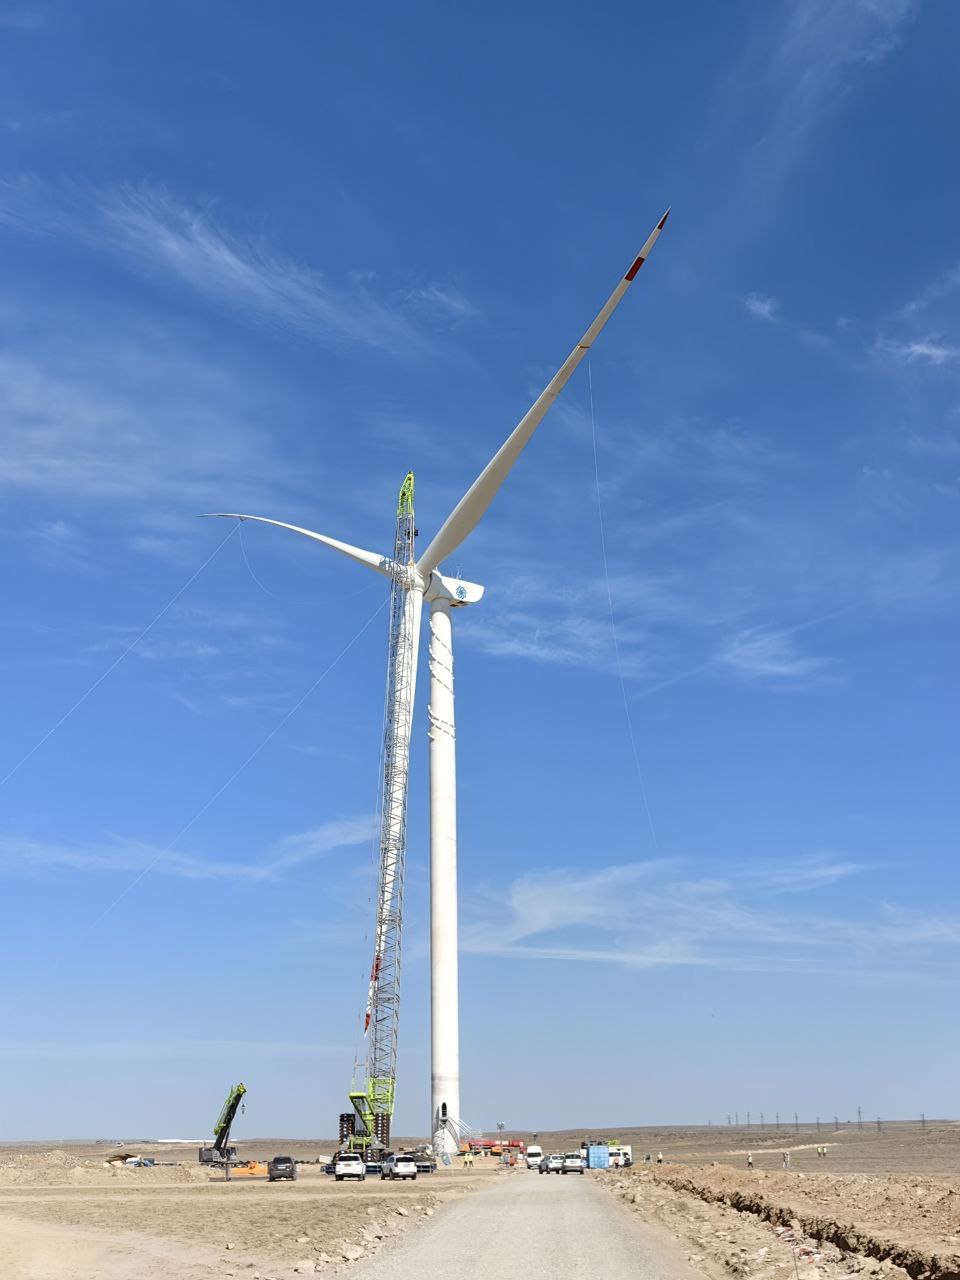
x,y
801,59
166,1049
922,331
535,613
437,301
118,854
655,914
823,41
163,430
760,653
308,846
196,632
944,284
563,619
940,444
929,350
800,875
762,307
185,245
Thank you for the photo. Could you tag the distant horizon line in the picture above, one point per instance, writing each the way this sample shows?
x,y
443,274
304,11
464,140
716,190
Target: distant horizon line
x,y
755,1126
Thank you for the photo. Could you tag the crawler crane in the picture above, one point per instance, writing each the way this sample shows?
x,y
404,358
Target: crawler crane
x,y
367,1126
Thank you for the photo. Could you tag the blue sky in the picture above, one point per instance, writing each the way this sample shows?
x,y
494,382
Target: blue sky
x,y
270,260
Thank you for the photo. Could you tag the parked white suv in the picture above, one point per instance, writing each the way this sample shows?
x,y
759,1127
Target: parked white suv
x,y
401,1165
572,1162
349,1165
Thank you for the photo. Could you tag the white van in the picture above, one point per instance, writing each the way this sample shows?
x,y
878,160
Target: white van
x,y
534,1156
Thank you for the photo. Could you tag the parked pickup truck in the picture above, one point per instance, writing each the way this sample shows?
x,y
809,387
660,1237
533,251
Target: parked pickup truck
x,y
572,1162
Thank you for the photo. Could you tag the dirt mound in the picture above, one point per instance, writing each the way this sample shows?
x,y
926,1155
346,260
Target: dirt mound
x,y
912,1222
60,1168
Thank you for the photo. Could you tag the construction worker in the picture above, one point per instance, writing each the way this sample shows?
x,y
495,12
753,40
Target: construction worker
x,y
659,1157
468,1159
749,1159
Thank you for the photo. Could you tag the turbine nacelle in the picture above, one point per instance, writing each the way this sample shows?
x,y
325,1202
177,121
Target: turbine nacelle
x,y
456,591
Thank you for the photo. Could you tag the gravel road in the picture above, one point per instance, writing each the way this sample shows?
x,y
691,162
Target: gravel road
x,y
540,1226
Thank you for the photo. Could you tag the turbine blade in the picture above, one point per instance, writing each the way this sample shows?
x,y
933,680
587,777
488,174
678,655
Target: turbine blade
x,y
368,558
469,510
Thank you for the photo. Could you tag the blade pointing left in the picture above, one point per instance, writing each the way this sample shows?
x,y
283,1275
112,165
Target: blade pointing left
x,y
369,558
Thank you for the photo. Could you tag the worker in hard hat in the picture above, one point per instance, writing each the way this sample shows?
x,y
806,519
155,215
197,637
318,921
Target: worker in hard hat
x,y
659,1157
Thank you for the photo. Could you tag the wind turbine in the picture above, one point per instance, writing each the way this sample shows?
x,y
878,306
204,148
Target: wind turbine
x,y
416,582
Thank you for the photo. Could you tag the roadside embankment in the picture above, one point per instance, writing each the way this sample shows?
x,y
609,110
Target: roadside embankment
x,y
830,1222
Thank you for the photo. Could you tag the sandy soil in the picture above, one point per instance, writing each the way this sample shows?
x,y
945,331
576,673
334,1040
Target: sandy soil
x,y
882,1204
813,1220
63,1214
896,1148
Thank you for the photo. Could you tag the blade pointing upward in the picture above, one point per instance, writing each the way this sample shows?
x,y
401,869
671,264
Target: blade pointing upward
x,y
469,510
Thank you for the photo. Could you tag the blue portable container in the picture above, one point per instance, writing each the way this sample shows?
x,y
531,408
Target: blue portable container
x,y
598,1156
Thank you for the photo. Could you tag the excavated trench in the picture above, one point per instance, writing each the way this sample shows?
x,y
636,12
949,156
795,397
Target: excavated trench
x,y
919,1263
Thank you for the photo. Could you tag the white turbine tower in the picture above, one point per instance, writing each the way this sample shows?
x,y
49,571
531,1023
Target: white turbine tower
x,y
423,581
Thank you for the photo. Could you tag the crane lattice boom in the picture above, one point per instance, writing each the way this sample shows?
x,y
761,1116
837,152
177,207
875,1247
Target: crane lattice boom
x,y
375,1106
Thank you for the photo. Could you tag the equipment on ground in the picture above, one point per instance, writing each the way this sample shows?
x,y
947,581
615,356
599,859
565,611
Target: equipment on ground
x,y
367,1130
492,1146
221,1153
412,583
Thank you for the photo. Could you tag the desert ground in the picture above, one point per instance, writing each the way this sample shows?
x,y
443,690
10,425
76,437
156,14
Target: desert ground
x,y
880,1204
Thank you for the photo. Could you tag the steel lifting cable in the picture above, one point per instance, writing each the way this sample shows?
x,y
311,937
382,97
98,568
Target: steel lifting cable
x,y
113,665
613,623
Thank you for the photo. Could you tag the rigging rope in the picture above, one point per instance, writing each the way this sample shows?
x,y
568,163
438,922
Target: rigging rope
x,y
240,768
246,561
613,623
113,666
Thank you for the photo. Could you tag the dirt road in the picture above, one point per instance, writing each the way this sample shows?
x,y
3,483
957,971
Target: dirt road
x,y
544,1226
86,1222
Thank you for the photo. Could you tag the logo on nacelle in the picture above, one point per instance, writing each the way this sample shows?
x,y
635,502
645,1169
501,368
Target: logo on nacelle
x,y
461,592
